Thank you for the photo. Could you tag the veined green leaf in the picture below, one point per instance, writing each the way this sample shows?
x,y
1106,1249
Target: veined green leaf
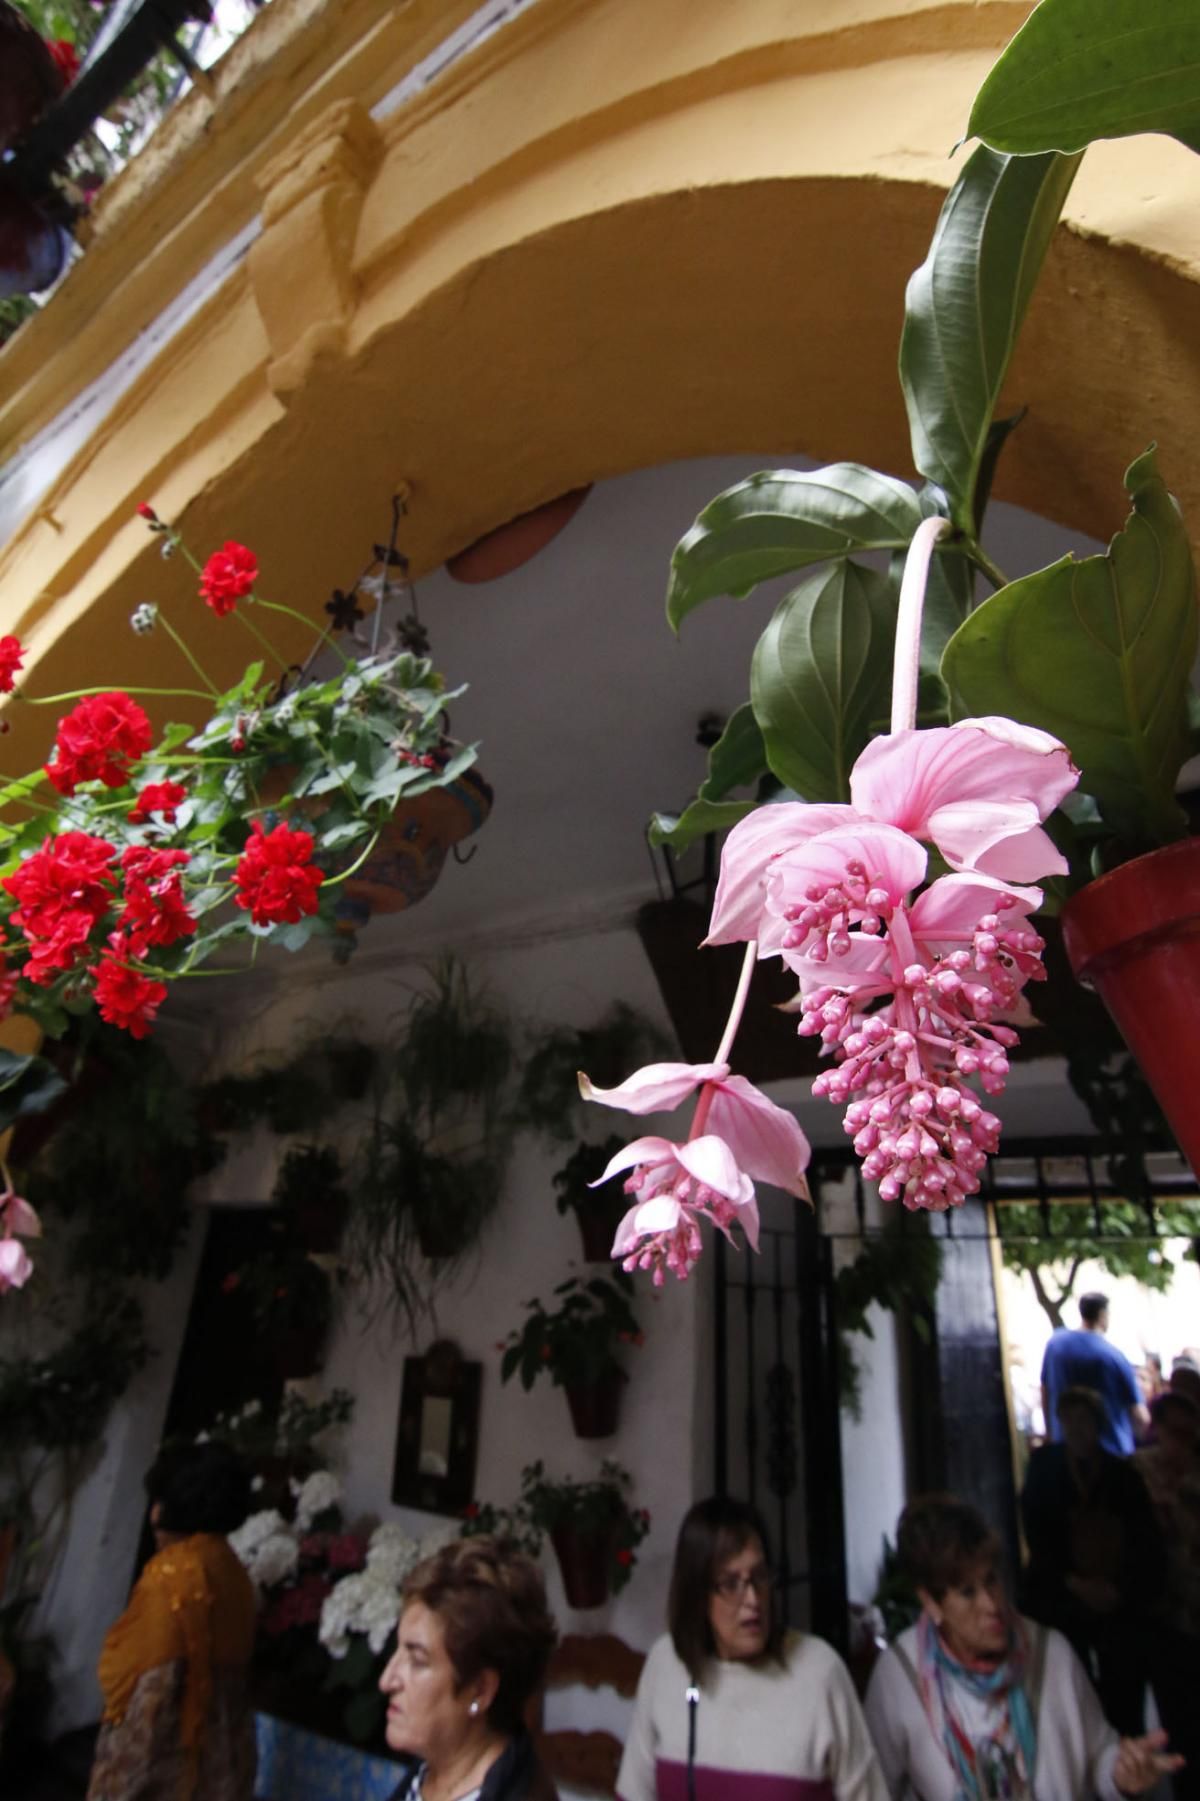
x,y
738,757
1098,652
821,673
785,520
696,821
1084,69
964,308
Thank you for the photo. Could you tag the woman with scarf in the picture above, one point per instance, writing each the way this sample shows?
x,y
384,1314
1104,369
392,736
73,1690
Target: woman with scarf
x,y
174,1669
976,1703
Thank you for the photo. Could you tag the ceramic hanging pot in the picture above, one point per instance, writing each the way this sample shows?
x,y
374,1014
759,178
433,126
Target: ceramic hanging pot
x,y
596,1406
412,849
1134,936
583,1559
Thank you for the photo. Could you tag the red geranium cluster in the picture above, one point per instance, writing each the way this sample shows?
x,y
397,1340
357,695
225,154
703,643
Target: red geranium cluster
x,y
276,879
155,910
299,1604
125,997
229,574
12,656
61,891
98,741
156,797
66,58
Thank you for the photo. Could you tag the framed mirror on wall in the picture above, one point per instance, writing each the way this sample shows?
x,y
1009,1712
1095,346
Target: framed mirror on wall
x,y
438,1435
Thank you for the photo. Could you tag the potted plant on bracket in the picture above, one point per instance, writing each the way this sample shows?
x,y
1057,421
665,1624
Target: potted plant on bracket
x,y
290,1302
594,1530
577,1344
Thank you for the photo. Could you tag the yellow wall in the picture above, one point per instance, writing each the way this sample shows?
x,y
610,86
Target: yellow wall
x,y
619,233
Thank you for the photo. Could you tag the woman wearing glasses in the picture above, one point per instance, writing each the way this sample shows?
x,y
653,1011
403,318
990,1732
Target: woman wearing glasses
x,y
731,1706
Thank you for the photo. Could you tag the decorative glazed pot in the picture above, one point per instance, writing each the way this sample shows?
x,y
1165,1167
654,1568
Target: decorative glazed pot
x,y
412,849
583,1558
595,1406
499,552
1134,936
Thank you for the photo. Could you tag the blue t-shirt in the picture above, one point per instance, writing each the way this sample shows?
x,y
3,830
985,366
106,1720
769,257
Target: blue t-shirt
x,y
1081,1359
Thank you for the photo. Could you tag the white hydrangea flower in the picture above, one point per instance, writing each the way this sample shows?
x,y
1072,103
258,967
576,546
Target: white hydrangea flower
x,y
315,1495
274,1560
392,1553
363,1604
252,1532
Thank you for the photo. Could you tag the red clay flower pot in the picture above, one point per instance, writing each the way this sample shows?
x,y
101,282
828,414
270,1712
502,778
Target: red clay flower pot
x,y
596,1405
1134,936
501,551
583,1559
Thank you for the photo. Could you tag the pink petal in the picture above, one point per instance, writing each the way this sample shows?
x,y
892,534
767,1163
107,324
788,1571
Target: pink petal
x,y
765,1139
655,1089
709,1160
948,912
749,849
19,1216
904,778
662,1214
865,965
1002,838
642,1150
15,1266
892,859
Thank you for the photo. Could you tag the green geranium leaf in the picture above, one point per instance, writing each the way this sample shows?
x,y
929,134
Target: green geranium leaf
x,y
964,309
785,520
821,674
697,821
27,1085
1098,652
1084,69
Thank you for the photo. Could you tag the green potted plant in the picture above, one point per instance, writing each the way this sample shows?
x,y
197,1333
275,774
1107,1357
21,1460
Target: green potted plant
x,y
597,1205
594,1530
577,1344
310,1193
290,1302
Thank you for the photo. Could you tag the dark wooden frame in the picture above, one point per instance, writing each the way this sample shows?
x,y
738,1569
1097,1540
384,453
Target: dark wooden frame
x,y
444,1373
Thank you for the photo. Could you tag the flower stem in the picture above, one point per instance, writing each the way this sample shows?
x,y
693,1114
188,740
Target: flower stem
x,y
739,1003
56,700
992,570
261,636
177,640
323,637
906,664
333,880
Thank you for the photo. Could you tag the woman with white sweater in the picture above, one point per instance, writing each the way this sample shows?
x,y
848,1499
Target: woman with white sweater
x,y
731,1706
976,1703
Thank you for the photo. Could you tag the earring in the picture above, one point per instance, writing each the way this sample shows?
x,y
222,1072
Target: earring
x,y
474,1707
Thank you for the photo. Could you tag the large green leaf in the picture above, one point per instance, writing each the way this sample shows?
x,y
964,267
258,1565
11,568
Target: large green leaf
x,y
785,520
821,675
738,758
964,309
1084,69
1098,652
28,1084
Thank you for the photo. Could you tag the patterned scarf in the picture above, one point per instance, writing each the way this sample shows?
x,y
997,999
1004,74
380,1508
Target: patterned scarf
x,y
1000,1768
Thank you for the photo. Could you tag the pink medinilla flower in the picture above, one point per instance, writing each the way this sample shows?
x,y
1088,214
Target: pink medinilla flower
x,y
16,1217
737,1137
908,993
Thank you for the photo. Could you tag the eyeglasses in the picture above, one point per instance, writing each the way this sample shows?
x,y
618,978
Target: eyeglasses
x,y
731,1586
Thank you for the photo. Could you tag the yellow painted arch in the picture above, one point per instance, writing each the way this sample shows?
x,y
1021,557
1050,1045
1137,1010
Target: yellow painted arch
x,y
616,236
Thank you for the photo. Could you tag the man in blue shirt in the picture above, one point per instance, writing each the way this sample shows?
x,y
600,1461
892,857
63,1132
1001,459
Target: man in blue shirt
x,y
1085,1359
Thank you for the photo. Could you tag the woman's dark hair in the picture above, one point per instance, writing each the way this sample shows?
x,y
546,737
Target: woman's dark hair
x,y
491,1602
712,1532
941,1540
1180,1405
1080,1399
199,1488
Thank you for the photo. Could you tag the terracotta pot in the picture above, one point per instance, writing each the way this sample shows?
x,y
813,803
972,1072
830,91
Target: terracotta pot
x,y
499,552
583,1558
595,1406
412,849
1134,936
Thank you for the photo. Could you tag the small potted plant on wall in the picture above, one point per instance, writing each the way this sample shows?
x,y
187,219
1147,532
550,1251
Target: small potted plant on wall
x,y
598,1210
309,1193
594,1530
576,1344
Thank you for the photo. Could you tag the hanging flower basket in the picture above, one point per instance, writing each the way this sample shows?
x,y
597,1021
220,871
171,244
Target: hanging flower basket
x,y
1134,936
596,1406
413,847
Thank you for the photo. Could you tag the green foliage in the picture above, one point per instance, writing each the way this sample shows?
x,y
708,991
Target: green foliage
x,y
309,1171
821,675
1124,1245
1077,71
577,1342
898,1268
548,1099
964,309
27,1085
738,758
1099,652
573,1191
285,1291
61,1401
287,1432
598,1508
894,1596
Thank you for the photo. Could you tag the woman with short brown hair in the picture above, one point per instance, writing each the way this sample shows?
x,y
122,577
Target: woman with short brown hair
x,y
976,1702
472,1647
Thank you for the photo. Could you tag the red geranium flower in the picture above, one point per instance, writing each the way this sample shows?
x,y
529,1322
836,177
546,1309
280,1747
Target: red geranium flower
x,y
66,58
127,998
61,891
146,511
625,1558
12,655
229,574
276,879
155,908
9,979
155,797
97,741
